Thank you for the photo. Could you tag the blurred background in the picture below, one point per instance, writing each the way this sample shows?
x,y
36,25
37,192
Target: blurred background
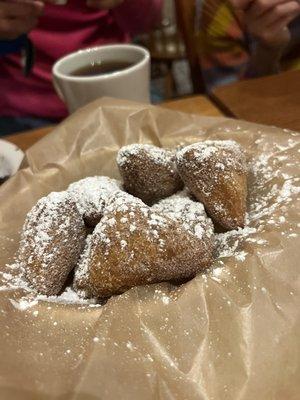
x,y
44,31
196,47
173,55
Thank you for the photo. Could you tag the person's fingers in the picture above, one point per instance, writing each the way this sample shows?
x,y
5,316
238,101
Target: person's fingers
x,y
16,10
277,33
277,7
280,26
289,12
260,26
12,28
104,4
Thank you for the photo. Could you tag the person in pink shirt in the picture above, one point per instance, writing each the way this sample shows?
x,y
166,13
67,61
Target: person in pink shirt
x,y
30,101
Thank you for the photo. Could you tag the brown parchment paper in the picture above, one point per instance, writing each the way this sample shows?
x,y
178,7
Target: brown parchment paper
x,y
235,337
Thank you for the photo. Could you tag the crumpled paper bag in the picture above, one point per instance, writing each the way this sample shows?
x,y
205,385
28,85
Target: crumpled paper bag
x,y
230,333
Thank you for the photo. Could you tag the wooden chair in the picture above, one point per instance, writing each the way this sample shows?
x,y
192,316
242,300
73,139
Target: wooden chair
x,y
166,46
186,14
168,43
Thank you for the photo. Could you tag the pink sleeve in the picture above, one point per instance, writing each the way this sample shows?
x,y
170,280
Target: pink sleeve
x,y
138,16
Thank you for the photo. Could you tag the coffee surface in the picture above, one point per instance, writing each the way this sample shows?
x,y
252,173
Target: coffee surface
x,y
100,68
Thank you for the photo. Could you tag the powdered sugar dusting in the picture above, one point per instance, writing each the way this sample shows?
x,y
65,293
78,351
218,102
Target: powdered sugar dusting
x,y
158,155
123,202
189,213
23,303
51,206
14,279
91,195
148,172
51,241
202,151
83,260
120,202
157,250
211,167
68,296
268,208
229,244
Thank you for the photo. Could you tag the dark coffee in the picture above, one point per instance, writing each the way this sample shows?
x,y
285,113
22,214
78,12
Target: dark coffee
x,y
100,68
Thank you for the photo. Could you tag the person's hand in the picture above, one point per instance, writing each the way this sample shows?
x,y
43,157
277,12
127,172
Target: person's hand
x,y
17,18
267,20
104,4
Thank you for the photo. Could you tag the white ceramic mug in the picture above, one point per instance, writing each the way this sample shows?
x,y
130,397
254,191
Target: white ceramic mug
x,y
132,83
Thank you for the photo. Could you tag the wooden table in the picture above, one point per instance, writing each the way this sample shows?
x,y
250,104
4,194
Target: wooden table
x,y
194,104
272,100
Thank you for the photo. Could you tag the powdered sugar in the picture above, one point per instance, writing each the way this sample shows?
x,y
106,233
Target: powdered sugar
x,y
51,241
288,190
158,250
14,279
68,296
51,206
91,195
266,207
120,202
189,213
148,172
212,168
83,260
229,244
202,151
23,303
158,155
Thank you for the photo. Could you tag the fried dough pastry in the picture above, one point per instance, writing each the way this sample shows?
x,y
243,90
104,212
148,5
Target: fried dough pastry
x,y
133,245
216,173
148,172
91,195
190,214
52,239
